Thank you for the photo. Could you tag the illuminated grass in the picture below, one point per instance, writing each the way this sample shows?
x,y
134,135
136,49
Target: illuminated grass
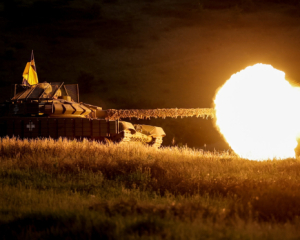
x,y
88,190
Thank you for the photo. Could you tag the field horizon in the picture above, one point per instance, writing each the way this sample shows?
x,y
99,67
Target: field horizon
x,y
82,189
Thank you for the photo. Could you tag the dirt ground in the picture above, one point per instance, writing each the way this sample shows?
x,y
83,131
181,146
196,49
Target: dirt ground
x,y
150,54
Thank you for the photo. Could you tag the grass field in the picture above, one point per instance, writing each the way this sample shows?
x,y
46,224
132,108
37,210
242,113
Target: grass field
x,y
86,190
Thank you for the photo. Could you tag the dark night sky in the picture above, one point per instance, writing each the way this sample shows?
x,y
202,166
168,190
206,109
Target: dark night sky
x,y
149,54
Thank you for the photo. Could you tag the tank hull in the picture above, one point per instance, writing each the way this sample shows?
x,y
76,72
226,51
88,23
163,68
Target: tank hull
x,y
39,127
74,128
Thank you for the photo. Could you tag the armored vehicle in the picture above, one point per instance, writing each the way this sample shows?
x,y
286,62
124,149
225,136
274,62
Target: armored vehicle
x,y
53,110
42,110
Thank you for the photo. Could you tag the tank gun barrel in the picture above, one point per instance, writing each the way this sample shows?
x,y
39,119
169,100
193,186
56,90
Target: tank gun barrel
x,y
113,114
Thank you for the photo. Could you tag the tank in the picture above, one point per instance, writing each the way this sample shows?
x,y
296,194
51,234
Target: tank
x,y
53,110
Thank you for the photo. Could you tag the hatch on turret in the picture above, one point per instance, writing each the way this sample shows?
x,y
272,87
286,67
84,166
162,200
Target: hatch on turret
x,y
46,91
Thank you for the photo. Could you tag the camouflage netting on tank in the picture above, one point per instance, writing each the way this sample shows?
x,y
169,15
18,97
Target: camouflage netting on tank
x,y
113,114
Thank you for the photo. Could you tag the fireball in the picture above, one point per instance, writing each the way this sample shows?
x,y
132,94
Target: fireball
x,y
257,112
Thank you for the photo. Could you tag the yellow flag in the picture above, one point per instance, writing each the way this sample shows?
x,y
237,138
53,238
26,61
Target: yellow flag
x,y
30,74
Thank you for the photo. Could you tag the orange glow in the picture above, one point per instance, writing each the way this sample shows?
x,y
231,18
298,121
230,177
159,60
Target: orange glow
x,y
257,111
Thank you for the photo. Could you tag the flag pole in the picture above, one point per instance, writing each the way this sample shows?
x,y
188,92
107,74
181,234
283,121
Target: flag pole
x,y
34,65
29,67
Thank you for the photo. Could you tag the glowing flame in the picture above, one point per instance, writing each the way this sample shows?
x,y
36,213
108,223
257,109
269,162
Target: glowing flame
x,y
257,113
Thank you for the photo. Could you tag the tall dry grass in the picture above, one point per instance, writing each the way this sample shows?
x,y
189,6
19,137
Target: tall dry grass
x,y
157,187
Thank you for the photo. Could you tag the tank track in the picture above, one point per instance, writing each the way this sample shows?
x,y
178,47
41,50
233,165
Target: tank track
x,y
156,142
126,136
